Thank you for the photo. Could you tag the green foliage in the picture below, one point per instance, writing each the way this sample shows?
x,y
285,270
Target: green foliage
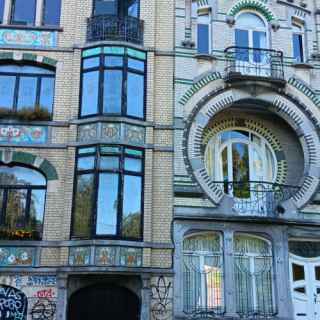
x,y
26,114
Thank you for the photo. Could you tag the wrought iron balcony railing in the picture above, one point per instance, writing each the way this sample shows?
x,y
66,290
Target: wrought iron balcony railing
x,y
258,63
115,28
257,198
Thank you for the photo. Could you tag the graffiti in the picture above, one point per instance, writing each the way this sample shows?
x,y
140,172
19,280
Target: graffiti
x,y
13,304
39,281
45,293
161,309
43,309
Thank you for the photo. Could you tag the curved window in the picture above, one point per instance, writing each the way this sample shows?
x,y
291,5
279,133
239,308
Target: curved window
x,y
253,276
203,274
113,82
108,198
26,88
22,199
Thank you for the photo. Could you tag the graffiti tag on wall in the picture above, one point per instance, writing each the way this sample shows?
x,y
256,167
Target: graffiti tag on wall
x,y
13,303
162,300
43,309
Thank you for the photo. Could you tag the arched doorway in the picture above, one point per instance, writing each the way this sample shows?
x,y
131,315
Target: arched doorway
x,y
105,302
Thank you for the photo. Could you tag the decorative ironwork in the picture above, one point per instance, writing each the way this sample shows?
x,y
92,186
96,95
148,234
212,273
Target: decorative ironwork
x,y
114,28
258,198
251,62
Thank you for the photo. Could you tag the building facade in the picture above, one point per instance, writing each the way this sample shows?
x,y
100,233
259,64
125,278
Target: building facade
x,y
86,151
246,175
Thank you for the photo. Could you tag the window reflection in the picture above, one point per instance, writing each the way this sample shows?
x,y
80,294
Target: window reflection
x,y
24,12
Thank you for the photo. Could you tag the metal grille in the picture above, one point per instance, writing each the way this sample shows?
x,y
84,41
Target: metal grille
x,y
242,61
114,28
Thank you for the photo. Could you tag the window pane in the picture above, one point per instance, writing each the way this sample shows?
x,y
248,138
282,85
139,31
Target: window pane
x,y
135,95
240,159
113,61
36,210
47,93
131,220
90,89
105,7
136,64
112,91
1,10
109,163
12,68
87,150
7,84
133,164
250,21
24,12
83,206
21,176
134,152
27,92
203,38
297,47
107,204
133,8
259,42
51,12
16,207
91,63
298,272
86,163
242,40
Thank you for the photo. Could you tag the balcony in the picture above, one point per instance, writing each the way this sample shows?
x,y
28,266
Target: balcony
x,y
254,64
114,28
257,198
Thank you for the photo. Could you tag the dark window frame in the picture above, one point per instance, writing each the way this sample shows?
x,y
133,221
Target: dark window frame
x,y
38,76
13,22
96,171
43,15
121,9
29,189
125,72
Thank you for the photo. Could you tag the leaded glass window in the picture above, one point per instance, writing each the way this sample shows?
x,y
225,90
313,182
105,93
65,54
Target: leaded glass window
x,y
203,290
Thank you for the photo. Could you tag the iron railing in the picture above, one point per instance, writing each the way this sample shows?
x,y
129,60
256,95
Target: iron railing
x,y
258,198
250,62
115,28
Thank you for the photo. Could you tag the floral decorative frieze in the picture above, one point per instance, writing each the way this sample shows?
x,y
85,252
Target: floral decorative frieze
x,y
23,134
32,38
112,132
17,256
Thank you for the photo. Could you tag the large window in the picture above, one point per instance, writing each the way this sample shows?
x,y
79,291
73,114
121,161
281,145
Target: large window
x,y
31,12
22,199
113,82
116,7
297,43
253,276
203,274
108,192
26,88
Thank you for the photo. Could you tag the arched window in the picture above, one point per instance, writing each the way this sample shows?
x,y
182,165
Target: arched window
x,y
203,274
26,88
253,276
22,199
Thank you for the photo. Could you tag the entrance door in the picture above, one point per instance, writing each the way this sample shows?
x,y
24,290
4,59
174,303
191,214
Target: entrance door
x,y
305,284
104,302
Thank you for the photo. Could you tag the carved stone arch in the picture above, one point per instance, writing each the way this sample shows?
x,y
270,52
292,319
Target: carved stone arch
x,y
8,156
282,104
28,57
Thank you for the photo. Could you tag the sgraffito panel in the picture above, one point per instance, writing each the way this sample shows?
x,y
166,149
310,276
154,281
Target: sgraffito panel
x,y
79,256
23,134
25,297
17,256
32,38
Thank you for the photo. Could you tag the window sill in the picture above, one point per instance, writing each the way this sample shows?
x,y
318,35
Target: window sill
x,y
26,27
202,56
302,65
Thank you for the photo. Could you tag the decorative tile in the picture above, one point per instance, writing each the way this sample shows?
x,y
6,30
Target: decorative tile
x,y
134,134
28,38
23,134
15,256
88,132
111,132
106,256
79,256
130,257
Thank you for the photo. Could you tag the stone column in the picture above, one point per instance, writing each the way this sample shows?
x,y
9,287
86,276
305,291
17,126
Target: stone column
x,y
145,297
229,282
62,283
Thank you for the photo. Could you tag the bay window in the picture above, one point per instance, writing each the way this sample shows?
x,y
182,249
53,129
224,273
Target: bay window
x,y
108,193
22,199
113,82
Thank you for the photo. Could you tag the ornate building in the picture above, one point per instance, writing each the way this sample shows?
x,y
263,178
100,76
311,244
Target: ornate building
x,y
247,160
